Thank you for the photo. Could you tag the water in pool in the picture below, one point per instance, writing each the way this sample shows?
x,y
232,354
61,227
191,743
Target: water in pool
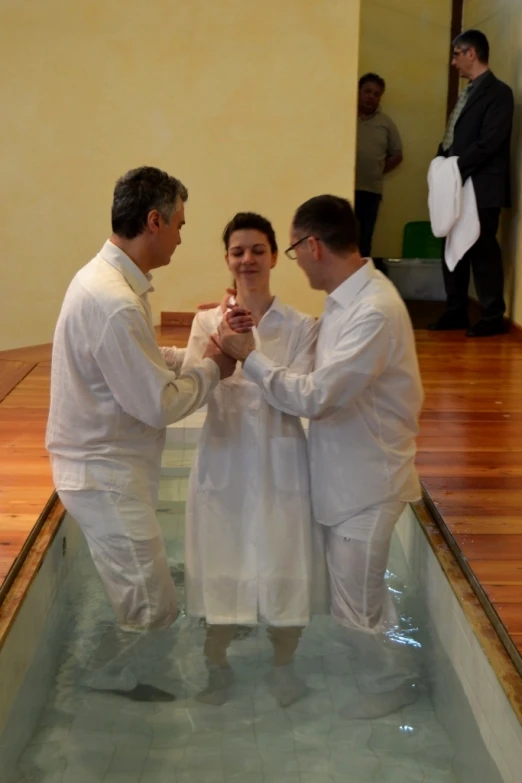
x,y
89,737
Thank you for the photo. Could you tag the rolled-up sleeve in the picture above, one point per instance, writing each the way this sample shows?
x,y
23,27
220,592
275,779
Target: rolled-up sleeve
x,y
135,372
173,358
359,357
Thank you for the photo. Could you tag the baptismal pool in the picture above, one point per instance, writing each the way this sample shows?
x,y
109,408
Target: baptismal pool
x,y
57,731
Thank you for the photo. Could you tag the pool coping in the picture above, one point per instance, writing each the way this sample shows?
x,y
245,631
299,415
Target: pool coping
x,y
26,566
479,591
479,620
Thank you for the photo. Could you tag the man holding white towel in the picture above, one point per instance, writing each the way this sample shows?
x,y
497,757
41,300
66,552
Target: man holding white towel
x,y
478,133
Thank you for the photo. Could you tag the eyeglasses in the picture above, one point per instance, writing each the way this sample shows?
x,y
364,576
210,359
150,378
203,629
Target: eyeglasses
x,y
458,52
290,251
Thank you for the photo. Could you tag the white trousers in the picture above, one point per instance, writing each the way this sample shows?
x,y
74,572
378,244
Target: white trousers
x,y
357,565
360,600
126,545
127,548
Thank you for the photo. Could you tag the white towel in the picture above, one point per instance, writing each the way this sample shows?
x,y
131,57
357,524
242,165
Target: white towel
x,y
453,209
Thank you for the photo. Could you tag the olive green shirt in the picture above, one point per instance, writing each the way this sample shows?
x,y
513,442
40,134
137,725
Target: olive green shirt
x,y
377,140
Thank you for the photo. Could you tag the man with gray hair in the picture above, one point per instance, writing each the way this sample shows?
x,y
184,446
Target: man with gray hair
x,y
478,134
113,393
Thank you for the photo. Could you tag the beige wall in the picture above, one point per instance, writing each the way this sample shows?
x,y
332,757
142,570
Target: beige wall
x,y
407,43
502,23
251,104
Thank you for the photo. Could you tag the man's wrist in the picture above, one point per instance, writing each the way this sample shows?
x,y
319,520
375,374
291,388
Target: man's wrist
x,y
212,364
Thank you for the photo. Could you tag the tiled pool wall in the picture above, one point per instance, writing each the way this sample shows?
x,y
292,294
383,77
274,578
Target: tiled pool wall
x,y
456,662
30,653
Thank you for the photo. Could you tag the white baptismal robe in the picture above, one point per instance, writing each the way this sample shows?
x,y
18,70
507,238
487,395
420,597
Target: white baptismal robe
x,y
251,545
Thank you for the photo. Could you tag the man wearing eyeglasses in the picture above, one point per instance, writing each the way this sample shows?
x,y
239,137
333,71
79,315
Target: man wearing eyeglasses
x,y
478,133
363,399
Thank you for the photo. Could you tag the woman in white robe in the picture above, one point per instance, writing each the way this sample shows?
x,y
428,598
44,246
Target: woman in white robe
x,y
251,547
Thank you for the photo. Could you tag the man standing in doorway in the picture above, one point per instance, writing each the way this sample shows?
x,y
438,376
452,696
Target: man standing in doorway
x,y
379,150
479,133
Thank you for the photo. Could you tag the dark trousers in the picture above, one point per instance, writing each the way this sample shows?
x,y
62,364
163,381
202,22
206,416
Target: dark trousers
x,y
366,210
485,259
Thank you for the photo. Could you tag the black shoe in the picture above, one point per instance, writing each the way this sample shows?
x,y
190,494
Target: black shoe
x,y
449,321
487,328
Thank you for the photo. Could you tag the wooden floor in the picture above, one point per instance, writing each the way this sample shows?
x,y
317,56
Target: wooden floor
x,y
470,454
470,458
25,477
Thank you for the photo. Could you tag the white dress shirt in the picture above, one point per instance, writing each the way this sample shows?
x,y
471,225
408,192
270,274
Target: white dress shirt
x,y
113,391
363,397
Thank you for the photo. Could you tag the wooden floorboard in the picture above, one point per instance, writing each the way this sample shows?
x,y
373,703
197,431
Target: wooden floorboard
x,y
469,457
33,353
11,373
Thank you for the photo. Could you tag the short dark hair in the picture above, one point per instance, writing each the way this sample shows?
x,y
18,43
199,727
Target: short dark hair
x,y
372,77
331,219
250,220
137,193
477,41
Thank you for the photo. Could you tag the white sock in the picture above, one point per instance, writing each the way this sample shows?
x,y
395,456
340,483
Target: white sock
x,y
288,687
219,681
377,705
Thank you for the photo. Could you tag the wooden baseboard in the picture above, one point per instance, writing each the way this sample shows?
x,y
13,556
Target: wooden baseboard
x,y
513,327
177,319
510,325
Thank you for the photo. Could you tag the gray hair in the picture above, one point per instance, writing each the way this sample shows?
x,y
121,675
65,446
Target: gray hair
x,y
140,191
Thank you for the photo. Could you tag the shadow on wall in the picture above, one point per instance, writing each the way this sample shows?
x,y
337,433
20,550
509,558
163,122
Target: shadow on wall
x,y
511,230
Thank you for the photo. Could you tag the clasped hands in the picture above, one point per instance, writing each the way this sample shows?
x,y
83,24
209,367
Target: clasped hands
x,y
233,342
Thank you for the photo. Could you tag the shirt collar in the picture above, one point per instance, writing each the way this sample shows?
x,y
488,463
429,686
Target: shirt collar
x,y
370,116
346,293
138,281
475,82
277,307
